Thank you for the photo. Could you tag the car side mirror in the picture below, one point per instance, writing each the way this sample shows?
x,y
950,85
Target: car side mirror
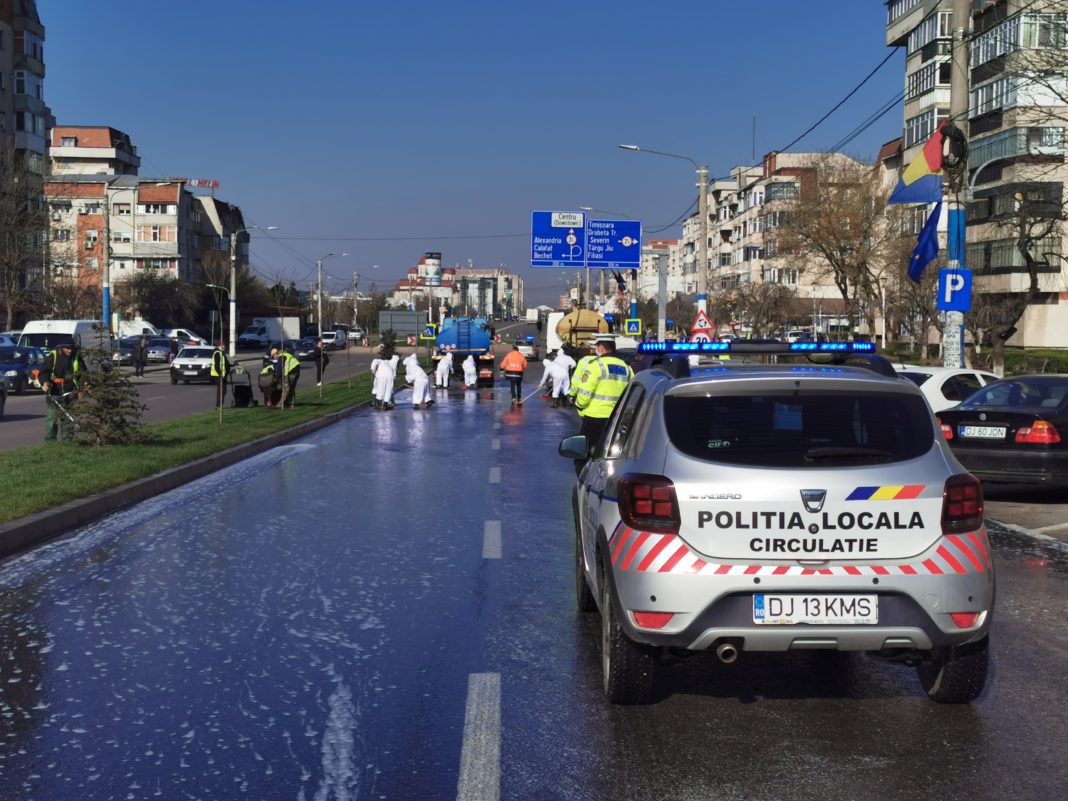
x,y
574,447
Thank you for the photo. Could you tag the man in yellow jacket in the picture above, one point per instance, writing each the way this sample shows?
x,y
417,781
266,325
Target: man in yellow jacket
x,y
599,384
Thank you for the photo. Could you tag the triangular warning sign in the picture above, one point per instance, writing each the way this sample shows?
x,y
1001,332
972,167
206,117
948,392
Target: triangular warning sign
x,y
701,323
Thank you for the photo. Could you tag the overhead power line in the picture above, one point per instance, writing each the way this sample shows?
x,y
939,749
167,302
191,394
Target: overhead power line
x,y
840,103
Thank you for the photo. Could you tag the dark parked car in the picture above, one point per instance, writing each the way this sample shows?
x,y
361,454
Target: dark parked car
x,y
3,397
1014,430
158,350
122,353
19,366
304,349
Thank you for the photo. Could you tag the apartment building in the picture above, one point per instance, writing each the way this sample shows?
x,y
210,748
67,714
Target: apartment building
x,y
147,222
1016,117
92,150
24,116
655,250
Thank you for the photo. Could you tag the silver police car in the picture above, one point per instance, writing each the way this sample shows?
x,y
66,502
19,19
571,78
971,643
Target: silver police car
x,y
794,497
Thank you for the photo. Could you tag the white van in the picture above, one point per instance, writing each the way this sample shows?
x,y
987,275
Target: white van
x,y
136,328
47,334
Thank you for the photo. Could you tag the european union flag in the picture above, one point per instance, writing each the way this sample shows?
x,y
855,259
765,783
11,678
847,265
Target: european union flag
x,y
926,246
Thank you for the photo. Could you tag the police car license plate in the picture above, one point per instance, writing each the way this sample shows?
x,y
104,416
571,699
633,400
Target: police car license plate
x,y
189,372
791,610
983,432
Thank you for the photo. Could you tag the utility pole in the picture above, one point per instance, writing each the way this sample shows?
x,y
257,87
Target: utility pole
x,y
702,245
953,331
232,345
105,272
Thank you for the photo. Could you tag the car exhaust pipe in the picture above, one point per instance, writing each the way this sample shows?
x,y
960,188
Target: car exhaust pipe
x,y
727,653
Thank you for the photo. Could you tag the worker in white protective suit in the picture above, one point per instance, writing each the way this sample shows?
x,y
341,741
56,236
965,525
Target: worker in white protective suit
x,y
470,371
441,376
551,371
415,375
385,373
567,364
380,371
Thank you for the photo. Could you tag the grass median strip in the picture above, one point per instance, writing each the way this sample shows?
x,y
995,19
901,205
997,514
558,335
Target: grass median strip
x,y
41,477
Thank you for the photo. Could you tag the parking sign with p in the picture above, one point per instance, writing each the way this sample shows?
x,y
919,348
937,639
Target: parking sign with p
x,y
955,290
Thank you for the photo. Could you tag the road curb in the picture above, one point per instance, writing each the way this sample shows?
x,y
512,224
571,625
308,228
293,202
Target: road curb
x,y
23,534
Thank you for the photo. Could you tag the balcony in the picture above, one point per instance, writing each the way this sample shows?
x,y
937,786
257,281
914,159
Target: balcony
x,y
30,64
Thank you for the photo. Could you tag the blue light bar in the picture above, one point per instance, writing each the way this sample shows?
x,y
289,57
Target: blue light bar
x,y
743,347
684,347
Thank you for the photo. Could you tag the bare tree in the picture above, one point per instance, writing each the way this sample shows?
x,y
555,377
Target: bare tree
x,y
23,226
764,307
841,229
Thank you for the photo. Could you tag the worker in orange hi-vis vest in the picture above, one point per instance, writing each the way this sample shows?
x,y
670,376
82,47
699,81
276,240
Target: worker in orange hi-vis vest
x,y
513,366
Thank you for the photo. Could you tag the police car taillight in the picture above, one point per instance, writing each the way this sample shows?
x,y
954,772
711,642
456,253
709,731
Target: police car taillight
x,y
648,503
962,505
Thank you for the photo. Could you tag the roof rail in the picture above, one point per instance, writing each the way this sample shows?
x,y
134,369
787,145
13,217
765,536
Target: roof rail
x,y
674,358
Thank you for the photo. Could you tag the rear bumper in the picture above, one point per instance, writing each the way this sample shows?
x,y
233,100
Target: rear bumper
x,y
716,603
1016,467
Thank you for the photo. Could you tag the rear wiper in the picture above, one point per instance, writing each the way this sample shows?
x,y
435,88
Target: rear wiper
x,y
832,452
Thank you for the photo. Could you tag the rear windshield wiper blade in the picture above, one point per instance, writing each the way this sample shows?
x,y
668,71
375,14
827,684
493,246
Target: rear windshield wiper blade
x,y
834,452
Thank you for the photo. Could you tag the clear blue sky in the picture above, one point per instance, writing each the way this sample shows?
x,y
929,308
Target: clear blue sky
x,y
341,120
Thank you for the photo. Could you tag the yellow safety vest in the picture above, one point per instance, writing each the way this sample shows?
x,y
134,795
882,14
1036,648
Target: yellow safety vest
x,y
600,386
579,368
290,363
220,365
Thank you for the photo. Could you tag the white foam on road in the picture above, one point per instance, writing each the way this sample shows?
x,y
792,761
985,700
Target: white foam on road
x,y
495,475
495,444
491,540
341,776
480,757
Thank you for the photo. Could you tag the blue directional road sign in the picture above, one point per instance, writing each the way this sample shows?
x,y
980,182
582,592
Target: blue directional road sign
x,y
634,327
955,290
430,331
614,244
557,239
609,318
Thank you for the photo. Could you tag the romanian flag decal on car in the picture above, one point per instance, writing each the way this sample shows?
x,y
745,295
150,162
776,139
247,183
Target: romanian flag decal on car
x,y
897,493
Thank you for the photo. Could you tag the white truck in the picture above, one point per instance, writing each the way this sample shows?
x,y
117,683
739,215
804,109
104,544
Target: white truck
x,y
47,334
136,328
265,330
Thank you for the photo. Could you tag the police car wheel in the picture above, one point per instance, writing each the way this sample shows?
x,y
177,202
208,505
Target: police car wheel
x,y
626,667
955,675
584,599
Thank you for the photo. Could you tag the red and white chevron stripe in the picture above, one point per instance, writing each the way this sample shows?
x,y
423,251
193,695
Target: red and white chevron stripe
x,y
644,552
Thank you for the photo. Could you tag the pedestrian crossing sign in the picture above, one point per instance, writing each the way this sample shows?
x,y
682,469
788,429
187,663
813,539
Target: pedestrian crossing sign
x,y
633,327
430,332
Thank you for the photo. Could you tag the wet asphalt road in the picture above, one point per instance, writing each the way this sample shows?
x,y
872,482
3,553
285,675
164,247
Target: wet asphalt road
x,y
337,619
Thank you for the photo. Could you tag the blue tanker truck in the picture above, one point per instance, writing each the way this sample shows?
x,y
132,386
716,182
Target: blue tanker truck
x,y
463,337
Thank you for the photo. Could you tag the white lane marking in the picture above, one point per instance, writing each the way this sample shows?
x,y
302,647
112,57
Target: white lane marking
x,y
480,757
491,540
495,444
1055,527
495,475
156,397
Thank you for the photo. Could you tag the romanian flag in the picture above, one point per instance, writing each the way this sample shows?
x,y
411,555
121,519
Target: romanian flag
x,y
922,180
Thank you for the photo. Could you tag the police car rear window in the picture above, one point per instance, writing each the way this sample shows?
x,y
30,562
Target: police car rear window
x,y
800,429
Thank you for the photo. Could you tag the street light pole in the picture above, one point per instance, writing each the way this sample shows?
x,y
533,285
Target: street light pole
x,y
319,307
702,213
233,281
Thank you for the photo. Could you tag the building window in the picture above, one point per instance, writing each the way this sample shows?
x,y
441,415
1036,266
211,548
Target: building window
x,y
920,127
156,208
936,26
157,233
120,236
1016,142
61,235
899,8
91,208
122,209
69,141
93,263
784,191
